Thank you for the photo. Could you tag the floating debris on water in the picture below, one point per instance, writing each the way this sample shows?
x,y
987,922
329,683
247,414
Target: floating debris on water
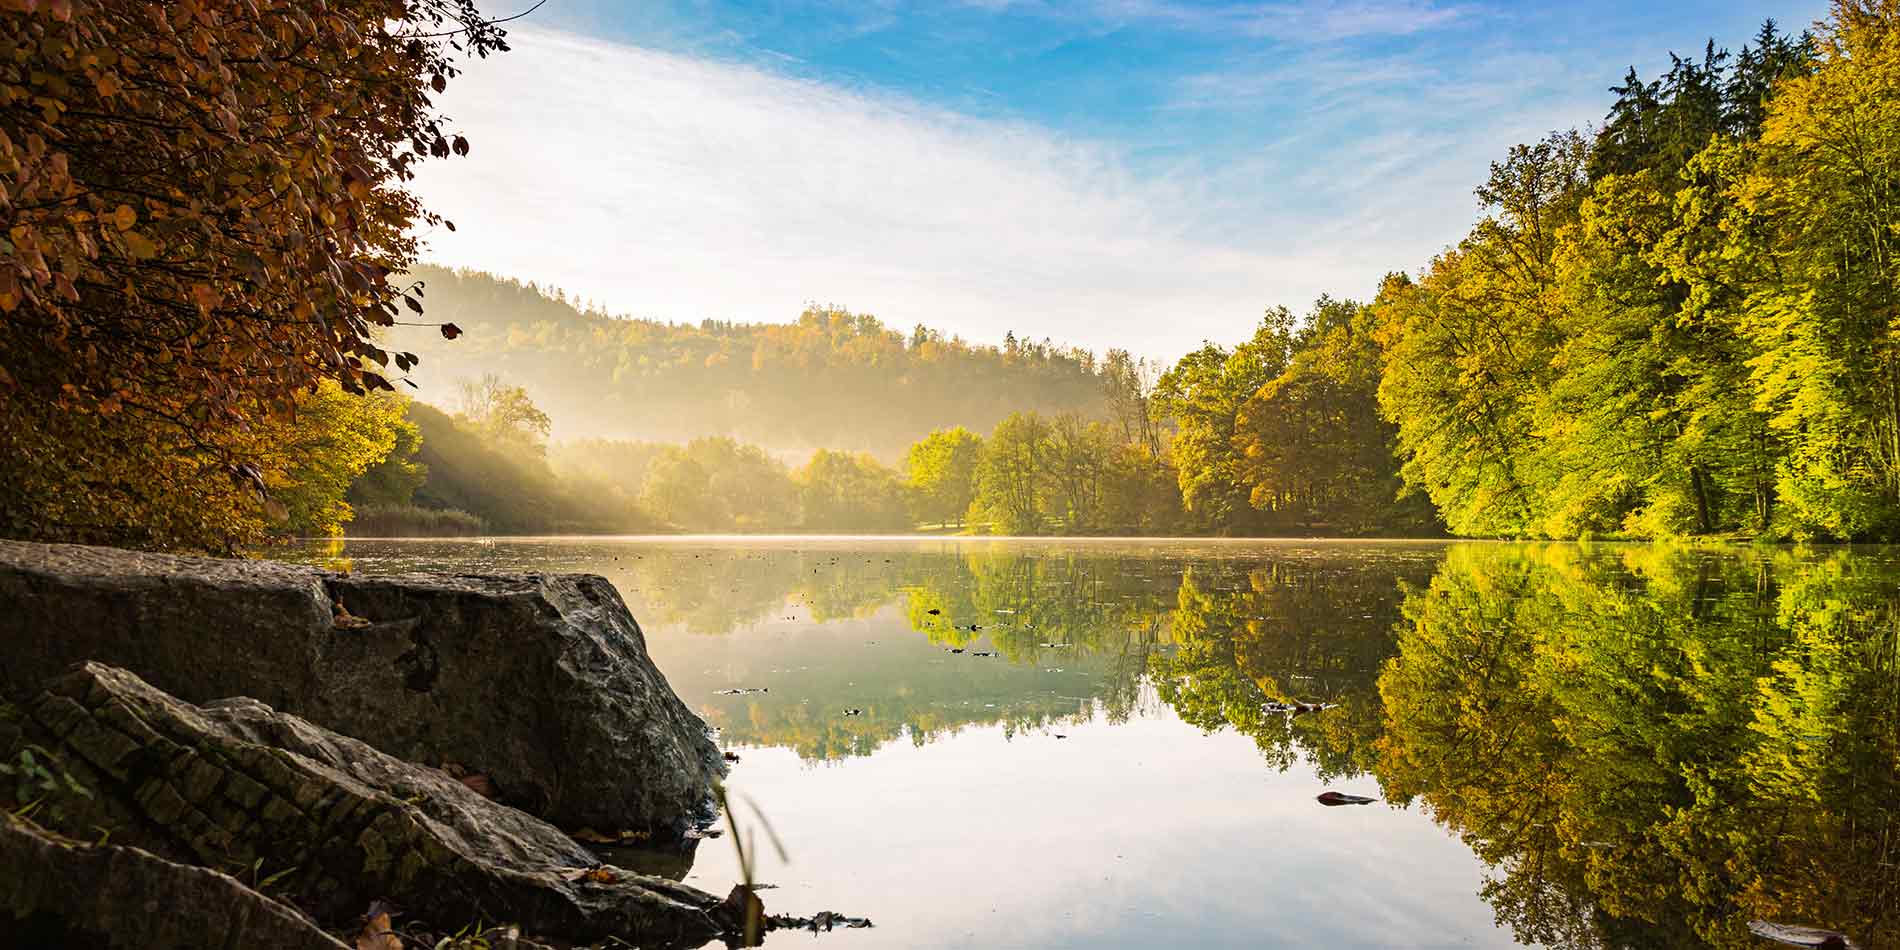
x,y
1341,798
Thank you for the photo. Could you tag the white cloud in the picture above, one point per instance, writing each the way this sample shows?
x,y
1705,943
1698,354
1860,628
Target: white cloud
x,y
684,188
1331,20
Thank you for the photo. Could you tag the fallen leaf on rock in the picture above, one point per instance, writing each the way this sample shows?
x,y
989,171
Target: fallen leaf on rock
x,y
598,874
1341,798
480,784
1795,936
344,620
378,933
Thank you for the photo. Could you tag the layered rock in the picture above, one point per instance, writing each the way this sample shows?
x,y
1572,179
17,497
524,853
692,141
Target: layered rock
x,y
57,892
332,823
540,682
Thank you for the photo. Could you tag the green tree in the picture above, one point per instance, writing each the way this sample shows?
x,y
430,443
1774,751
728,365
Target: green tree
x,y
1468,348
1817,216
393,480
845,491
1202,395
941,470
1010,481
1317,453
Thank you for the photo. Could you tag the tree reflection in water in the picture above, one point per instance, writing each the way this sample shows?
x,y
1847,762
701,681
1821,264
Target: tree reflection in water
x,y
1647,745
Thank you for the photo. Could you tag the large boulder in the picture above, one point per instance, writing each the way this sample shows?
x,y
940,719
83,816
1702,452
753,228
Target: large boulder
x,y
540,682
325,822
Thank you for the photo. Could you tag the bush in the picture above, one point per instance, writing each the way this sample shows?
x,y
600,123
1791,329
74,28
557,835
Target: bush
x,y
413,521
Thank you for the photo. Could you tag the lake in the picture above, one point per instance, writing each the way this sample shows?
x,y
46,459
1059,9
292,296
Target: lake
x,y
1084,743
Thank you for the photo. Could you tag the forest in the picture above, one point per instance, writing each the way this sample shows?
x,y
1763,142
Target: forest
x,y
1683,321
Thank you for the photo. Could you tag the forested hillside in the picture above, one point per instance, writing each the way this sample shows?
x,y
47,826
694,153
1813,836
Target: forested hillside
x,y
828,379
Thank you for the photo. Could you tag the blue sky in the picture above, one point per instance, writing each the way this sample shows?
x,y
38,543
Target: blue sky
x,y
1144,173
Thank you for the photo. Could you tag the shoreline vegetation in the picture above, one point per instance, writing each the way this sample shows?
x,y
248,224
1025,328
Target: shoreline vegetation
x,y
1668,327
1674,325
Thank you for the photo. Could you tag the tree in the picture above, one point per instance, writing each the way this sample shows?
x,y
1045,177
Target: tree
x,y
1317,453
1468,348
333,439
393,480
1816,217
843,491
941,471
1075,465
1009,493
1202,395
504,412
205,209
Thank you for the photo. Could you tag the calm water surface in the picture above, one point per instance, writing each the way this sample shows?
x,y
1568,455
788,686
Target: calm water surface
x,y
1571,746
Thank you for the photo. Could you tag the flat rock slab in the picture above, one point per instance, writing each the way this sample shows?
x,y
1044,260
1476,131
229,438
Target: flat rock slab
x,y
57,892
541,682
330,822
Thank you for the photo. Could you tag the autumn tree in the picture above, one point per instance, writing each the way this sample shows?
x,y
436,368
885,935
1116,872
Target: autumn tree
x,y
205,207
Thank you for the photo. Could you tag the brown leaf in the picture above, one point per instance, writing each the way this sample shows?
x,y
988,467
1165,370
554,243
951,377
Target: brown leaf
x,y
345,620
480,784
451,331
598,874
378,933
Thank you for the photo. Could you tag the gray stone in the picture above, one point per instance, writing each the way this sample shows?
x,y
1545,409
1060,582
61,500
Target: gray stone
x,y
541,682
372,826
58,892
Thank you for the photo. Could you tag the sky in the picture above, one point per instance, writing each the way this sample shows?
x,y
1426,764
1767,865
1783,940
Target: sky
x,y
1144,174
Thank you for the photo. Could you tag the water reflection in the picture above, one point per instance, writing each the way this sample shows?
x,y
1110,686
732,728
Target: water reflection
x,y
1653,747
1644,746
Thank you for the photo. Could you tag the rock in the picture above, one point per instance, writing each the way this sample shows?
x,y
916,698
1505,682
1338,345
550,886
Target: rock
x,y
331,822
57,892
541,682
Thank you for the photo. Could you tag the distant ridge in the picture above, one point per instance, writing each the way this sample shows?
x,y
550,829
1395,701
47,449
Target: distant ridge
x,y
830,378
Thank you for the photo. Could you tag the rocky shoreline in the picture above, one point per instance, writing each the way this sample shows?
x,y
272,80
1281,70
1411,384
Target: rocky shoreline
x,y
246,753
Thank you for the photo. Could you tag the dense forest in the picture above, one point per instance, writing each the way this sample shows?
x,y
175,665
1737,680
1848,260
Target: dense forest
x,y
1685,321
1681,322
830,379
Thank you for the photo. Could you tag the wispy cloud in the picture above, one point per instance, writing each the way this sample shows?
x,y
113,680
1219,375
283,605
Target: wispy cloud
x,y
1338,19
683,188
